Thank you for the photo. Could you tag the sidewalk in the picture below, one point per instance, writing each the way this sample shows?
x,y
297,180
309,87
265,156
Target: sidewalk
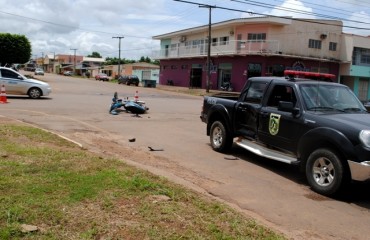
x,y
186,90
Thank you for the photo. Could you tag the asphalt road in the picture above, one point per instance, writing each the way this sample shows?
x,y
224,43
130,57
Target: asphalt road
x,y
274,193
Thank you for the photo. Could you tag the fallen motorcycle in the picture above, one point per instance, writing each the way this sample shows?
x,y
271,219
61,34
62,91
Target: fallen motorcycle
x,y
134,106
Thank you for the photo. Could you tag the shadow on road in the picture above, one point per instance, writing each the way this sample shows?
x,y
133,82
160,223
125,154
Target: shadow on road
x,y
356,193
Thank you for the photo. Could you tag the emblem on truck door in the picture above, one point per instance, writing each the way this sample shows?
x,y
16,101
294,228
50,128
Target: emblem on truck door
x,y
274,123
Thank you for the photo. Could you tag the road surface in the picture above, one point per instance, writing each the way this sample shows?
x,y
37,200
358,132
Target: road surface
x,y
273,193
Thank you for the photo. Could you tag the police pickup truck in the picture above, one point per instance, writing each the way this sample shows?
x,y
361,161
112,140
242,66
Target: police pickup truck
x,y
319,125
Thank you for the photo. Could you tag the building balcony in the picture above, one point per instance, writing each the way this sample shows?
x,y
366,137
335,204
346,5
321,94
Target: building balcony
x,y
239,48
221,49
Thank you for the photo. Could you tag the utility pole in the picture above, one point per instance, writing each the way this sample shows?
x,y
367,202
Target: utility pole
x,y
42,60
74,62
209,46
119,55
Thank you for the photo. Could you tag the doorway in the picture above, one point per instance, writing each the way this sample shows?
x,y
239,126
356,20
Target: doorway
x,y
196,77
224,77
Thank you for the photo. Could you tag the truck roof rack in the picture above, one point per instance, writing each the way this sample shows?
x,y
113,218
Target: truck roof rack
x,y
293,74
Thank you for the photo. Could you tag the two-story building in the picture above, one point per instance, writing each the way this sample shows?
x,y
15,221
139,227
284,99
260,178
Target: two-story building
x,y
242,48
355,64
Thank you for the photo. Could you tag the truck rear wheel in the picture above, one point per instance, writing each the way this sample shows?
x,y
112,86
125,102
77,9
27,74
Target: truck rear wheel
x,y
325,172
221,140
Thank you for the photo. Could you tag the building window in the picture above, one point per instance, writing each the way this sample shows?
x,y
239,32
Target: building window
x,y
314,44
332,46
173,67
256,36
224,40
196,43
254,70
365,59
214,41
184,66
173,46
275,70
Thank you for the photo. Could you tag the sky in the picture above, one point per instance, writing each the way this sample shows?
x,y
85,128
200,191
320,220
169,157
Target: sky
x,y
86,26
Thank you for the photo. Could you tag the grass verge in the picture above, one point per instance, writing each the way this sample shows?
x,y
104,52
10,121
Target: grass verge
x,y
68,193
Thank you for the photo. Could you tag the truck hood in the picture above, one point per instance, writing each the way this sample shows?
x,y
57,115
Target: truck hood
x,y
360,121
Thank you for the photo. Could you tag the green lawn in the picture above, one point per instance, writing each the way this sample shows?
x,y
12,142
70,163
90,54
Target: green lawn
x,y
70,193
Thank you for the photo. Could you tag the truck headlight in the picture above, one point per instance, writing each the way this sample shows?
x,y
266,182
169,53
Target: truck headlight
x,y
365,138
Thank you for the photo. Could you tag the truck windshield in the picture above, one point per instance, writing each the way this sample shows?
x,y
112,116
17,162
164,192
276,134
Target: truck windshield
x,y
321,97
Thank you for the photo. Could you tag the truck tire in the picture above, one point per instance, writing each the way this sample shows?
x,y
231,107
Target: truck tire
x,y
221,140
325,172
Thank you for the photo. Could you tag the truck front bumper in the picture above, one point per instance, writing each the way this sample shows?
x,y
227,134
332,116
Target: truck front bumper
x,y
360,171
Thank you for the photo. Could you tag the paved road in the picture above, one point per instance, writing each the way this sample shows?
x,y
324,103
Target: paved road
x,y
273,193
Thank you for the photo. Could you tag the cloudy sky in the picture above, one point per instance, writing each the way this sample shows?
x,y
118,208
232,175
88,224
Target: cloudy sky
x,y
57,26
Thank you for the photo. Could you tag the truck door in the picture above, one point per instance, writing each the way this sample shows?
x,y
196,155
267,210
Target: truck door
x,y
278,128
248,107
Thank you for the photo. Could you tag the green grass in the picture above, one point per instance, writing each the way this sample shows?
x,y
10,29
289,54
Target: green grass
x,y
69,193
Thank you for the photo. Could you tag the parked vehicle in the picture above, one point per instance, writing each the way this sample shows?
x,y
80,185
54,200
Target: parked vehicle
x,y
17,84
102,77
68,73
320,126
129,80
39,71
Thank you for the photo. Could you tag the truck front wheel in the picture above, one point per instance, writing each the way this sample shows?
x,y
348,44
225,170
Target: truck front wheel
x,y
325,172
221,140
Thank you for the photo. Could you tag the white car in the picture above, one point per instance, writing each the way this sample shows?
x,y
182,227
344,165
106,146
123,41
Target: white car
x,y
39,71
17,84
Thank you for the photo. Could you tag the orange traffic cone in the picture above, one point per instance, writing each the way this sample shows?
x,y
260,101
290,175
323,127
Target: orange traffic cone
x,y
136,96
3,98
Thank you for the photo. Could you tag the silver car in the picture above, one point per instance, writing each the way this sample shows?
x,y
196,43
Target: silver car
x,y
39,71
17,84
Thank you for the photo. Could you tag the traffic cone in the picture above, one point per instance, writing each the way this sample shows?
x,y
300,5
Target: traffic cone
x,y
136,96
3,98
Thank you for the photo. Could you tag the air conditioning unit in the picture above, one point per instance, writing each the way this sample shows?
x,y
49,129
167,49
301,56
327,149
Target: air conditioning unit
x,y
323,36
182,38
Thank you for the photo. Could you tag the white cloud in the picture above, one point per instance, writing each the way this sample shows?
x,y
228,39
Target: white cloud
x,y
292,8
359,20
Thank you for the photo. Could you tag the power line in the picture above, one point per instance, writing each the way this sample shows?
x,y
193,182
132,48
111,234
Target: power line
x,y
265,5
269,15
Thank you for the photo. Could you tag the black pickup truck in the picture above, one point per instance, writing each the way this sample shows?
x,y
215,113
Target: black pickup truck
x,y
321,126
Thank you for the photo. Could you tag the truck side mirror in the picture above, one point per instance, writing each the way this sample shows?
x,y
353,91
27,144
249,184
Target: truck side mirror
x,y
288,107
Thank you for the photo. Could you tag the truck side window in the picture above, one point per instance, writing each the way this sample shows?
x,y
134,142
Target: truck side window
x,y
255,92
281,93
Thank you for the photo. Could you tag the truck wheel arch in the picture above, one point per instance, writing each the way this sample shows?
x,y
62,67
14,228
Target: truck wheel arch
x,y
218,113
325,138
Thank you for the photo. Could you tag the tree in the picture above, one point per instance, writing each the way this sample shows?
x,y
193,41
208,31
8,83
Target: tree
x,y
148,60
95,55
14,48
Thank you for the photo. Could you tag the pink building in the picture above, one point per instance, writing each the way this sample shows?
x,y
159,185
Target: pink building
x,y
242,48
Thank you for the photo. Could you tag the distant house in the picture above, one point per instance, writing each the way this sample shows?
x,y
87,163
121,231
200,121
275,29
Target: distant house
x,y
62,62
143,70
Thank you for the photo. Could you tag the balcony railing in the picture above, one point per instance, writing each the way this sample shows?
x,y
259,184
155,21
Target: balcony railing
x,y
222,48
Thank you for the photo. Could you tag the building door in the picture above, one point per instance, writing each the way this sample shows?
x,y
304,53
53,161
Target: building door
x,y
166,51
363,89
196,76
